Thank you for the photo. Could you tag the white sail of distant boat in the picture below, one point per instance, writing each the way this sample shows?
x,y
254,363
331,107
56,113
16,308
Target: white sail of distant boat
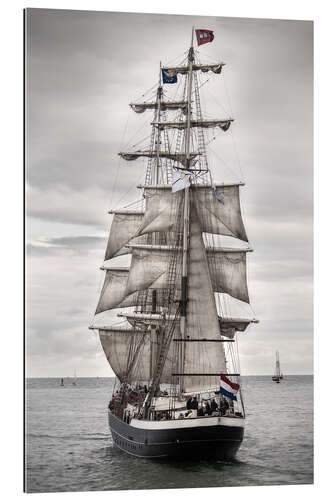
x,y
278,375
75,378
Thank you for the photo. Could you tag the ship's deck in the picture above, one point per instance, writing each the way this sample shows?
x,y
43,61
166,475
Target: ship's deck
x,y
207,421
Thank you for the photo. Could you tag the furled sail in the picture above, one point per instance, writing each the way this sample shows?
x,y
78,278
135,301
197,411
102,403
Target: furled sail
x,y
227,267
181,157
222,124
174,70
147,318
164,106
201,320
234,315
113,291
123,228
228,327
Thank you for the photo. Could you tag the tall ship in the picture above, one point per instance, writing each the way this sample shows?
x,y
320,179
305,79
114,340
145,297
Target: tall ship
x,y
278,374
178,305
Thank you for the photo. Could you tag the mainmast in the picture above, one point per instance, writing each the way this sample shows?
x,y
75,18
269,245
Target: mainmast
x,y
153,332
184,287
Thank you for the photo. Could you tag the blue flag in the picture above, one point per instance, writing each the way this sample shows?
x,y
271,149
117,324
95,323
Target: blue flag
x,y
169,76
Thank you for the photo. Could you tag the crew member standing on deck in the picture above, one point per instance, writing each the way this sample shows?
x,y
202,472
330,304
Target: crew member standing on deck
x,y
213,405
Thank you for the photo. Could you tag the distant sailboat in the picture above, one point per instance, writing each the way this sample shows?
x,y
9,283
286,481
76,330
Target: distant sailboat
x,y
75,378
62,383
278,375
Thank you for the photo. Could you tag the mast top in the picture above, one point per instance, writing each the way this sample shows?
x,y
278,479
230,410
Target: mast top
x,y
191,51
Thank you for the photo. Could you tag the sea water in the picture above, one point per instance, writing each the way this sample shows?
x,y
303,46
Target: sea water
x,y
69,447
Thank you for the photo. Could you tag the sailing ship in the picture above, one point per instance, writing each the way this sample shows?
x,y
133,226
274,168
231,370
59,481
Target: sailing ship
x,y
278,375
75,378
177,307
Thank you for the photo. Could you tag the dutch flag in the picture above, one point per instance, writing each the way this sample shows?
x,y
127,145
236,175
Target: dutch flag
x,y
228,388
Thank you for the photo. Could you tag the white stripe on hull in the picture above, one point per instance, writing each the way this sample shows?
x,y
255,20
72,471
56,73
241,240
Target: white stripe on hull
x,y
188,422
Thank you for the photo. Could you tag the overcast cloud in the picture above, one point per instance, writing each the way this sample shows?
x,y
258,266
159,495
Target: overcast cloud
x,y
83,68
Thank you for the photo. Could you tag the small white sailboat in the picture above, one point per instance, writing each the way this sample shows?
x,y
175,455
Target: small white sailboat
x,y
278,375
75,378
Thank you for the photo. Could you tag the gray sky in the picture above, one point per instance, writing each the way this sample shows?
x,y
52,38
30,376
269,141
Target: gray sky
x,y
83,68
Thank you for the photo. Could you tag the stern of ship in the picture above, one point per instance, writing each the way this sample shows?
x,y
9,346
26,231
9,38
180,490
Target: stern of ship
x,y
194,438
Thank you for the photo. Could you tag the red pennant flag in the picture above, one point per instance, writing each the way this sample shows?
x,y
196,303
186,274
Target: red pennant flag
x,y
204,36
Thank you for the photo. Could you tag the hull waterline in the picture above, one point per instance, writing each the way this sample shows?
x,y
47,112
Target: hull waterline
x,y
202,438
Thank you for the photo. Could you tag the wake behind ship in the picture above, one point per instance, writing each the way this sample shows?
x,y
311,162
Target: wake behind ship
x,y
175,310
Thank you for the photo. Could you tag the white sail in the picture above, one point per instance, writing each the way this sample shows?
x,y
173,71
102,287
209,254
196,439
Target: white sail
x,y
113,291
215,217
227,269
277,365
162,208
218,217
123,228
149,268
201,320
117,343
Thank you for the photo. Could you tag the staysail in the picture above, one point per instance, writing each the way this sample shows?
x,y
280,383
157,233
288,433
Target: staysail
x,y
202,321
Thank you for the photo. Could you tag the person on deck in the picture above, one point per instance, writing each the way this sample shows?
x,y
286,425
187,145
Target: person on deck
x,y
189,403
224,406
213,405
194,403
208,408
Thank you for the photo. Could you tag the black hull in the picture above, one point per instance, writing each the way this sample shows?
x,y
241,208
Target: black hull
x,y
194,443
